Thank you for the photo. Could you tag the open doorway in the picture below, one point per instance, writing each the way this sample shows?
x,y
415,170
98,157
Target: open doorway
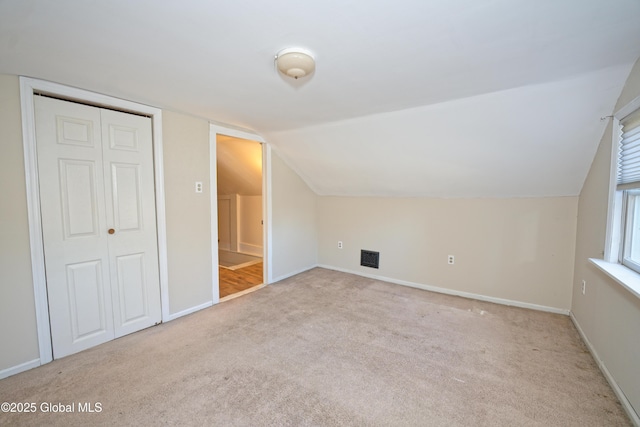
x,y
240,222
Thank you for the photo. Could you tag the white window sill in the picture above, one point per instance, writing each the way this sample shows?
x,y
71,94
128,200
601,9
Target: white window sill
x,y
628,278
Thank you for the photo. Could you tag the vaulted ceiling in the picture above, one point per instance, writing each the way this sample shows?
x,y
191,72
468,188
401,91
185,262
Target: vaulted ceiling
x,y
446,98
239,166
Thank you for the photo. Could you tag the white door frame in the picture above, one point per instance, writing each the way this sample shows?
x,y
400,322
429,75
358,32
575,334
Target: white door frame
x,y
28,87
214,131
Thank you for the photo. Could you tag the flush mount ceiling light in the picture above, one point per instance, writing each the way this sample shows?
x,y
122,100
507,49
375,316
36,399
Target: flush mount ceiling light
x,y
295,62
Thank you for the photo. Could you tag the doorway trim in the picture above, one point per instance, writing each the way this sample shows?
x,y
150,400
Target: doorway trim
x,y
214,131
28,87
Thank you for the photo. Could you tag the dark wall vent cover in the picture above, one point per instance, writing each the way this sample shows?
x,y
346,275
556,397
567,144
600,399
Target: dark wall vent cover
x,y
369,258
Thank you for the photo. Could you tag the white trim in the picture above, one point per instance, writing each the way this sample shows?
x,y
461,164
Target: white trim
x,y
302,270
614,209
214,130
235,133
189,310
35,223
612,382
267,243
19,368
439,290
436,289
27,87
250,249
213,186
627,278
239,266
241,293
161,218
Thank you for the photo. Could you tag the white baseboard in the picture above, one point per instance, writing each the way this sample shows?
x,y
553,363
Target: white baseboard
x,y
189,311
286,276
19,368
612,382
36,362
249,249
452,291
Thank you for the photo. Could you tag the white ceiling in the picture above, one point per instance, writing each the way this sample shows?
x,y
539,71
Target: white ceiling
x,y
452,98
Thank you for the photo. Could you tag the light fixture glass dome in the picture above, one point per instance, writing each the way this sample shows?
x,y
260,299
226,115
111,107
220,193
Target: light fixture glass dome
x,y
295,62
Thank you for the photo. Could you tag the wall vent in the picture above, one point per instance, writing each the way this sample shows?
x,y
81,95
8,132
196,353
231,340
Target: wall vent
x,y
369,258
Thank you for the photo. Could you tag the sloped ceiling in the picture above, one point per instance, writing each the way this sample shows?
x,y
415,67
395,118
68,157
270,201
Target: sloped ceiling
x,y
451,98
239,166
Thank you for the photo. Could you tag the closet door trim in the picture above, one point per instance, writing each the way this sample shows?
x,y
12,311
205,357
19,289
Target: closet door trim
x,y
29,86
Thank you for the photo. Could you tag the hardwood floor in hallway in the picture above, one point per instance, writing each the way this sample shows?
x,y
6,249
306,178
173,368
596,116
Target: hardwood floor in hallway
x,y
233,281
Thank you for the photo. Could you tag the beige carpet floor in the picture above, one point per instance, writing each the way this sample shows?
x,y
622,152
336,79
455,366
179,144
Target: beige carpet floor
x,y
326,348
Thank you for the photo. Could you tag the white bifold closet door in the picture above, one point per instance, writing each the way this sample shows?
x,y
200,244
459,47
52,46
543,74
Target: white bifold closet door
x,y
97,199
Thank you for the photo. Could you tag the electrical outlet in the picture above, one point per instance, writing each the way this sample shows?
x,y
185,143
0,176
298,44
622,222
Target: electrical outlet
x,y
584,287
450,259
339,244
198,187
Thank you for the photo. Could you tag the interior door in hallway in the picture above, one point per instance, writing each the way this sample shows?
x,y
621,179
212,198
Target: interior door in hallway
x,y
95,171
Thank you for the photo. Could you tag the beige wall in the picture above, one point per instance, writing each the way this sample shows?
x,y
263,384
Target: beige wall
x,y
18,337
293,222
188,216
516,249
186,160
607,314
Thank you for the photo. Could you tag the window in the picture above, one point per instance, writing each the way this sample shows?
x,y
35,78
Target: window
x,y
628,187
622,248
